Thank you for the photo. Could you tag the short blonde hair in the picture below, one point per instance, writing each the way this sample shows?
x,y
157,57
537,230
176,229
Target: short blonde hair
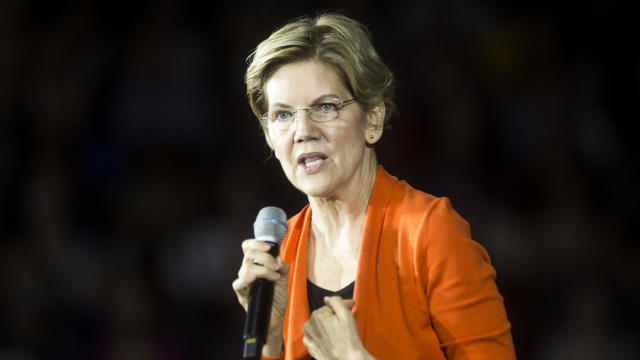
x,y
333,39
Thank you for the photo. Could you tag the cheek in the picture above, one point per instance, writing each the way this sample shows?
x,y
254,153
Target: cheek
x,y
275,150
357,135
279,149
272,144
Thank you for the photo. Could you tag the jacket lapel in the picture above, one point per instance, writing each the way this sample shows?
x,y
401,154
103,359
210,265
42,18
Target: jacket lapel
x,y
365,295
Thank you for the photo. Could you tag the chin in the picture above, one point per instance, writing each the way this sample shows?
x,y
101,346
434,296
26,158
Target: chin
x,y
315,189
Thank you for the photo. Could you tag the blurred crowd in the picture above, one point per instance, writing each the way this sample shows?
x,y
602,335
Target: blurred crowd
x,y
131,167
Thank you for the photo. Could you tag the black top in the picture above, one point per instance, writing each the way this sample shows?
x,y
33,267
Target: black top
x,y
316,294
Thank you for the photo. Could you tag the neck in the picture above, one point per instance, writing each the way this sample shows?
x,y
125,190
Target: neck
x,y
336,220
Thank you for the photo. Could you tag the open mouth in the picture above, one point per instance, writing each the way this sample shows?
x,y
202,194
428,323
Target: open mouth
x,y
312,162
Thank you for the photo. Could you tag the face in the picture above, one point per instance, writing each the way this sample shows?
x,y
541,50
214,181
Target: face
x,y
320,159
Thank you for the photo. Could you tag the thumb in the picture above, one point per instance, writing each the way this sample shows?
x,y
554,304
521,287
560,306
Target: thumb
x,y
284,267
350,303
341,308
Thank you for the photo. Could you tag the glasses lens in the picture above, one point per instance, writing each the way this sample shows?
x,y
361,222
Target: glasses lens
x,y
279,119
282,119
324,112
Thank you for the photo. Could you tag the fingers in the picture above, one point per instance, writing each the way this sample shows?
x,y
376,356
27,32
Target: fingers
x,y
249,272
255,244
325,333
257,263
314,350
317,316
307,328
342,308
284,267
350,303
256,252
312,332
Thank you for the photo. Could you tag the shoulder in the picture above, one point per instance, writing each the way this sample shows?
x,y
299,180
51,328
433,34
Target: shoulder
x,y
435,239
428,229
419,212
406,204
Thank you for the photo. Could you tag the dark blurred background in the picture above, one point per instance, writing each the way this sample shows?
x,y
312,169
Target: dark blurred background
x,y
131,166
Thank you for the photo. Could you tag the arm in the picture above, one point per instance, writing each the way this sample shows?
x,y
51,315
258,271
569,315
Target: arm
x,y
258,263
467,310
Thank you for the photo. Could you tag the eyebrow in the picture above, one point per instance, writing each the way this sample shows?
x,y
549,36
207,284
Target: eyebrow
x,y
317,100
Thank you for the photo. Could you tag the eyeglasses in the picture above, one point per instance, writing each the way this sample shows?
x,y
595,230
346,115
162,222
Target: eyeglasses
x,y
281,119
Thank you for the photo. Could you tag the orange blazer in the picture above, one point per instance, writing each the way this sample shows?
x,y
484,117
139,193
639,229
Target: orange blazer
x,y
424,289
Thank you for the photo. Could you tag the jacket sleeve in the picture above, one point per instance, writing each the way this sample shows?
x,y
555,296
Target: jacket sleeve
x,y
466,309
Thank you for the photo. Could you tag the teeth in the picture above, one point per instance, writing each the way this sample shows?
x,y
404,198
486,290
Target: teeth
x,y
312,161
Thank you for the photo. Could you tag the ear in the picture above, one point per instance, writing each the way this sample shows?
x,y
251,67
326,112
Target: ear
x,y
375,123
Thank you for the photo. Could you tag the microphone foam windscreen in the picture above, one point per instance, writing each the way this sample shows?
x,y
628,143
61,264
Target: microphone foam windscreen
x,y
271,224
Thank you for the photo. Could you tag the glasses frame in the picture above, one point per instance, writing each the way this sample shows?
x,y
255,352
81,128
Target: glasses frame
x,y
339,105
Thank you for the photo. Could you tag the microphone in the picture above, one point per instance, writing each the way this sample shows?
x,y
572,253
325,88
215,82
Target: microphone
x,y
270,226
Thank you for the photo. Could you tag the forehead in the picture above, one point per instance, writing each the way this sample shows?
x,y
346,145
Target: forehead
x,y
302,82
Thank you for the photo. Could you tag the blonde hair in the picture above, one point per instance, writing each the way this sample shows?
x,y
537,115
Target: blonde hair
x,y
333,39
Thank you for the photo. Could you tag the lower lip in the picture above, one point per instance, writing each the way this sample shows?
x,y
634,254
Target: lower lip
x,y
317,166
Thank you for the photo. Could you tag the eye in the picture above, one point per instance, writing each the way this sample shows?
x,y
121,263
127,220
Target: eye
x,y
327,107
282,115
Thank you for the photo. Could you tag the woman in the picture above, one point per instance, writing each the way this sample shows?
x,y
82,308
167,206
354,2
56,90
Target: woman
x,y
420,287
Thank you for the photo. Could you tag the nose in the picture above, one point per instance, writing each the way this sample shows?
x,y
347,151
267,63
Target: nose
x,y
301,112
305,128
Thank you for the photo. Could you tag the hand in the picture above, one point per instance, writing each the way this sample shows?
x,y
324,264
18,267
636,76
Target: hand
x,y
258,263
331,332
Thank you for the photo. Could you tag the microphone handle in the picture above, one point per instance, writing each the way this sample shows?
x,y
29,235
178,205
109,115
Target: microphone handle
x,y
256,324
